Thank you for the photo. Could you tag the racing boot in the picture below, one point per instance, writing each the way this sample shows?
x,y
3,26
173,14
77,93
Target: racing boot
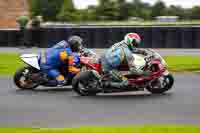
x,y
55,83
59,82
51,83
119,85
118,80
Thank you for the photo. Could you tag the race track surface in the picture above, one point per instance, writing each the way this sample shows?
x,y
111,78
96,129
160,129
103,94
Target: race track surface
x,y
163,52
63,108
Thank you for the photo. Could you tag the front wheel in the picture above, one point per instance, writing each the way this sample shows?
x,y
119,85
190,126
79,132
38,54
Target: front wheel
x,y
22,78
161,85
85,84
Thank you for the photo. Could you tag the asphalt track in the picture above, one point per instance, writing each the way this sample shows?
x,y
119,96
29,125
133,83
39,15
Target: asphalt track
x,y
60,107
163,52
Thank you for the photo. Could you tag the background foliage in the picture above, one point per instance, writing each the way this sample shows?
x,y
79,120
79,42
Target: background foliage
x,y
64,10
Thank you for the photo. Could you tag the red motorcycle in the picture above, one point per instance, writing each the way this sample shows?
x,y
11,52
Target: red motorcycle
x,y
87,82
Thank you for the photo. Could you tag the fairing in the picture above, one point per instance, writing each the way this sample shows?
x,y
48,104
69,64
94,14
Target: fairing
x,y
31,59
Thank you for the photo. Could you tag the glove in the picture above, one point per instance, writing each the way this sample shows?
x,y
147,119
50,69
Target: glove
x,y
148,58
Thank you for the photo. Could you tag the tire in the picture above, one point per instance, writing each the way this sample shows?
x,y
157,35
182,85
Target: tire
x,y
162,90
19,74
79,86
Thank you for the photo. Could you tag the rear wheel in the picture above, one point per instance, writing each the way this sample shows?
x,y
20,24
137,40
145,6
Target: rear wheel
x,y
22,78
161,85
85,84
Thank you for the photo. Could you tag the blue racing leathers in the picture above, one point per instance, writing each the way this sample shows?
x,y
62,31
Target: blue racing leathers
x,y
111,60
84,51
116,55
55,58
61,44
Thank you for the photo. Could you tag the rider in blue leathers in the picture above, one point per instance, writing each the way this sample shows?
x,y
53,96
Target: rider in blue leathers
x,y
82,50
121,53
61,56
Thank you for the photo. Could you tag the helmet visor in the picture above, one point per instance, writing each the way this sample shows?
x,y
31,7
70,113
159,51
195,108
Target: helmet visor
x,y
134,43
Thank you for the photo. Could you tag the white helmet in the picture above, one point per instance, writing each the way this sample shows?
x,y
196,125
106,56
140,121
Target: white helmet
x,y
132,40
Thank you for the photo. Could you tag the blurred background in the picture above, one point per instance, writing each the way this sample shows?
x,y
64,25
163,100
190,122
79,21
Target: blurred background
x,y
79,11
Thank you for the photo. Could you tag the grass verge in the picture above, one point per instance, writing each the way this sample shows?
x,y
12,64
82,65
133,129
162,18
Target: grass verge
x,y
134,129
141,23
9,63
183,63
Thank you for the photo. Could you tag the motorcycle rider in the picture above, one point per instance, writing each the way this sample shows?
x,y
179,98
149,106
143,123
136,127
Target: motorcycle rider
x,y
118,54
82,50
61,57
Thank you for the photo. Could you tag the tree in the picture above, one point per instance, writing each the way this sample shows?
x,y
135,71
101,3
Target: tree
x,y
176,11
89,14
68,12
139,9
123,9
195,13
108,10
186,14
146,11
143,10
46,8
159,9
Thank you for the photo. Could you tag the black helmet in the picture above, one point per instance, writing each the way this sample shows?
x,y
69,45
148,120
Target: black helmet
x,y
75,43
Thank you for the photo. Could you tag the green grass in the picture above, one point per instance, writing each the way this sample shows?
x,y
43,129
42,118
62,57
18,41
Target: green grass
x,y
9,63
183,63
133,129
142,23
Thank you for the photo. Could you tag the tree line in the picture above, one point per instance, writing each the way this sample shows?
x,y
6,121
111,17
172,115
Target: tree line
x,y
65,11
